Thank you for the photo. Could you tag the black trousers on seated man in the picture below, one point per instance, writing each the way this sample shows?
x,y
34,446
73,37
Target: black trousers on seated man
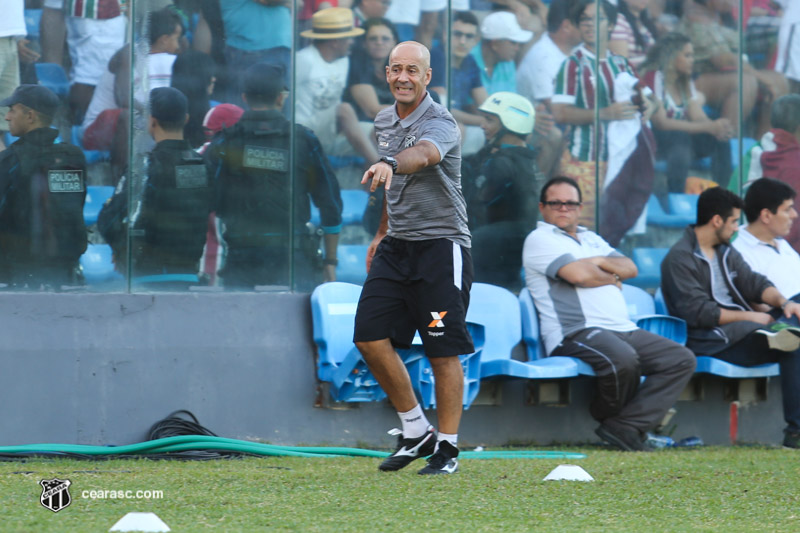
x,y
754,350
620,359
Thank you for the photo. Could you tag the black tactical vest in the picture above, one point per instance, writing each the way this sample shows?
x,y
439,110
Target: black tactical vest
x,y
173,219
255,186
42,231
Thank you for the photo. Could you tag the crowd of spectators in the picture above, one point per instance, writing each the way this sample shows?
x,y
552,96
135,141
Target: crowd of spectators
x,y
611,83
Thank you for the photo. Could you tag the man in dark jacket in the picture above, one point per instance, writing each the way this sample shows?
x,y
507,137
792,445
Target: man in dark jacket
x,y
500,189
708,284
170,217
42,192
264,206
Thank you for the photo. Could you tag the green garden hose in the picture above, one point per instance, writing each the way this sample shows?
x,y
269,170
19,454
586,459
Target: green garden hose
x,y
202,442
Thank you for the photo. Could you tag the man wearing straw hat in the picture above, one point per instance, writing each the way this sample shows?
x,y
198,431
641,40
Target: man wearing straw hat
x,y
419,263
321,78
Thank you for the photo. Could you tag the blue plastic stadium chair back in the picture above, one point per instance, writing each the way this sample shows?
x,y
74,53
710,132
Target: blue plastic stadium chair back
x,y
92,156
657,217
96,196
638,300
352,267
354,202
333,311
32,19
421,373
498,310
52,76
554,367
747,144
684,206
661,305
353,381
711,365
97,265
717,367
642,310
648,262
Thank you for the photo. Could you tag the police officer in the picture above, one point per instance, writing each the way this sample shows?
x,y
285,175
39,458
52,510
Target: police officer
x,y
501,189
42,191
170,221
263,202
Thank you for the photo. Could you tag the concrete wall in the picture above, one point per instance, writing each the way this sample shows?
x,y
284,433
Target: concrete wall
x,y
101,368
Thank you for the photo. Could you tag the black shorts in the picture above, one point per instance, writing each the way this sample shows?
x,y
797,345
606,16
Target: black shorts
x,y
417,286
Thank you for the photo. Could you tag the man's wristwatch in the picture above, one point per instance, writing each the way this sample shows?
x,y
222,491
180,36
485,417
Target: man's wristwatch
x,y
391,161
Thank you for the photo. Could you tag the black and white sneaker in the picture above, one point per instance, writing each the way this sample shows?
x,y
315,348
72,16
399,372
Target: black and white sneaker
x,y
443,461
409,449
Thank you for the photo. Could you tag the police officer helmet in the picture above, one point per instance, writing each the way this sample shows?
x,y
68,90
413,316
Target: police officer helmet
x,y
516,113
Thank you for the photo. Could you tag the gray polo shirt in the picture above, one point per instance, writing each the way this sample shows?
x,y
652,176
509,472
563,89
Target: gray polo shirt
x,y
428,204
563,307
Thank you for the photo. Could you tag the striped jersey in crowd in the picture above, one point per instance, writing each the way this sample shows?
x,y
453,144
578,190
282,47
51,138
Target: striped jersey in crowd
x,y
576,85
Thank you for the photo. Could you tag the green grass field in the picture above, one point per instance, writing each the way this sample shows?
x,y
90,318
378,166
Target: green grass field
x,y
707,489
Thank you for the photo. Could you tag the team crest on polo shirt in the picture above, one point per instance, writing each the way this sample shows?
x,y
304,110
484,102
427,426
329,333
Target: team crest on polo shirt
x,y
409,141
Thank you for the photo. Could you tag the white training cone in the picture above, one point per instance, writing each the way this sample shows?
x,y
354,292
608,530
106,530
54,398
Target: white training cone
x,y
568,473
140,522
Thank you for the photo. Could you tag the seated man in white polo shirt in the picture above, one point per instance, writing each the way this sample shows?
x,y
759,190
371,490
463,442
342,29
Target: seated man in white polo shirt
x,y
770,212
575,278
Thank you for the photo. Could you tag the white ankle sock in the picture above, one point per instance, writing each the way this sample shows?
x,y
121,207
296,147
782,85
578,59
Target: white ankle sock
x,y
415,424
451,438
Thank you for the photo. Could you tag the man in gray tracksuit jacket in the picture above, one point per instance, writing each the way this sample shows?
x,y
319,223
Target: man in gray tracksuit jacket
x,y
687,286
708,284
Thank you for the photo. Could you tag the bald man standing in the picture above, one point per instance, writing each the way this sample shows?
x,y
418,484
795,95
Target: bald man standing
x,y
419,263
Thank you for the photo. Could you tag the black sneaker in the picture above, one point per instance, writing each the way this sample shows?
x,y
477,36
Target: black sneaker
x,y
409,449
443,461
625,440
791,440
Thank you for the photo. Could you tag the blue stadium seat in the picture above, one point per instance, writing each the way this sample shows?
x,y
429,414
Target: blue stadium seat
x,y
498,310
711,365
642,310
684,206
32,19
421,373
639,302
352,267
354,202
52,76
333,311
657,217
92,156
97,265
661,305
96,196
535,347
648,262
717,367
747,144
